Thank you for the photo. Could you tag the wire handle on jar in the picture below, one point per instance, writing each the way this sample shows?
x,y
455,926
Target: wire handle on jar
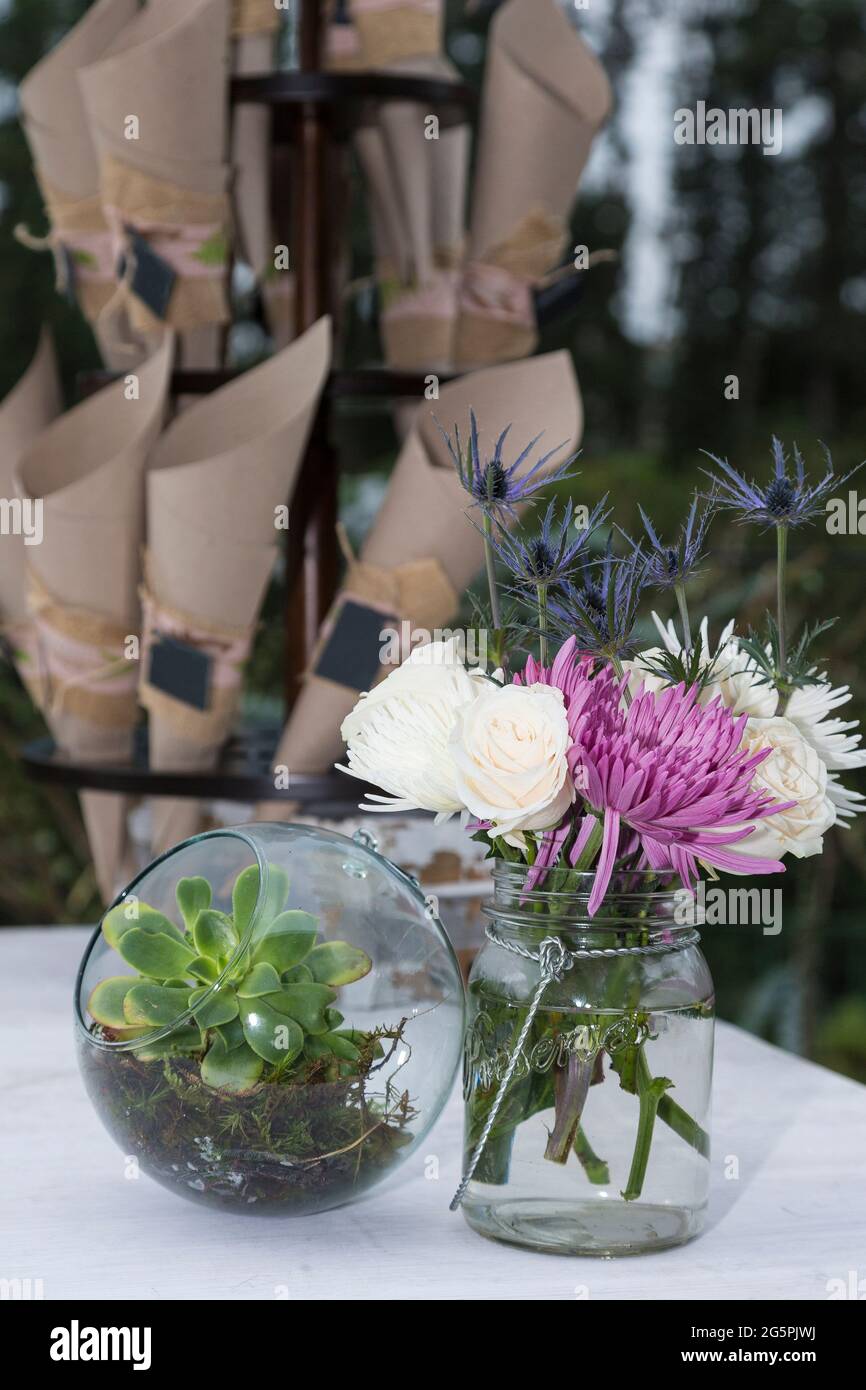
x,y
554,960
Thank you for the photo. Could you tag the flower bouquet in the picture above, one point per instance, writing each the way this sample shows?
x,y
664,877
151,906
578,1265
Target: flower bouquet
x,y
610,783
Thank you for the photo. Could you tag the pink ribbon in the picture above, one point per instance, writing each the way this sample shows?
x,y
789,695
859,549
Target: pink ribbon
x,y
436,300
61,661
96,246
174,242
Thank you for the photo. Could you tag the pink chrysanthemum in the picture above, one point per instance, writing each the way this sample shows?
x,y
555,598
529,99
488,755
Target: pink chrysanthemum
x,y
656,775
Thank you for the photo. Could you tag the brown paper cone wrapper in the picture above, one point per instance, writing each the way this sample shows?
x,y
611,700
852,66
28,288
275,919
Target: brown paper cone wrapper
x,y
545,97
169,69
216,479
422,519
57,128
88,467
24,414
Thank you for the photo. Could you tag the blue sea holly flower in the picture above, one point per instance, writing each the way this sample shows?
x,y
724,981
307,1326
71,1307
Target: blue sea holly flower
x,y
788,499
555,555
498,488
669,565
601,611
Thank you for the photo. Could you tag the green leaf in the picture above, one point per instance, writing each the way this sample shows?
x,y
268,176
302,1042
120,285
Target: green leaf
x,y
214,935
155,954
262,979
150,1005
305,1003
362,1040
338,963
221,1008
246,892
289,938
131,914
298,975
232,1033
85,259
106,1000
204,969
193,896
184,1043
272,1034
333,1017
214,251
341,1046
230,1069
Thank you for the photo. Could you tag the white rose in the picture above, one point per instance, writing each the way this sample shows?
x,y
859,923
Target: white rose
x,y
792,772
398,734
510,750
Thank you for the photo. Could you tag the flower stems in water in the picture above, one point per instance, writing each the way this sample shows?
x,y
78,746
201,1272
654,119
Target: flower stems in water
x,y
571,1090
650,1091
595,1168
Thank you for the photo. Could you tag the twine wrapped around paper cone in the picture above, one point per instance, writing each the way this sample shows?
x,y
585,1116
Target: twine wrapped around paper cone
x,y
87,468
80,230
254,17
82,664
422,520
545,98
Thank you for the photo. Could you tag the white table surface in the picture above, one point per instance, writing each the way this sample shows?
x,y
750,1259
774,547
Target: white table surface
x,y
793,1220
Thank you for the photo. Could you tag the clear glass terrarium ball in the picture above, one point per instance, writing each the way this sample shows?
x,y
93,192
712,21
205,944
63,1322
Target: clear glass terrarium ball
x,y
270,1019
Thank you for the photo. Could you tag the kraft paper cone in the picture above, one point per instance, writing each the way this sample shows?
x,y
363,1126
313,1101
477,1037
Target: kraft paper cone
x,y
545,97
168,69
67,167
216,479
251,138
422,519
30,406
88,469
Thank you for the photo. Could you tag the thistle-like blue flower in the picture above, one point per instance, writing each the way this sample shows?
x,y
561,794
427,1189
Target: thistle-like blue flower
x,y
601,611
555,555
492,484
789,499
669,565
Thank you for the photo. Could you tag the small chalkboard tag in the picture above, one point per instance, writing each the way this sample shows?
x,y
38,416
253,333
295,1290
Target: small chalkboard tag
x,y
181,671
70,290
351,655
152,278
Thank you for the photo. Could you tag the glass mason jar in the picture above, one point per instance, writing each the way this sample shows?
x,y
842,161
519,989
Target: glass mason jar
x,y
599,1140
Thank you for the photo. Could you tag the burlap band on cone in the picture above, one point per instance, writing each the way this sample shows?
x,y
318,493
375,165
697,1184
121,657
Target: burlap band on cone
x,y
254,17
497,315
228,649
383,32
188,230
418,592
78,664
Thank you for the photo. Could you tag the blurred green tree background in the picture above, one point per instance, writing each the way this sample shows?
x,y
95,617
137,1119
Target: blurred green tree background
x,y
732,263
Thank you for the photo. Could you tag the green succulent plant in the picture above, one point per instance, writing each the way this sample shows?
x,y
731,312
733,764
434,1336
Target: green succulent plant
x,y
273,1014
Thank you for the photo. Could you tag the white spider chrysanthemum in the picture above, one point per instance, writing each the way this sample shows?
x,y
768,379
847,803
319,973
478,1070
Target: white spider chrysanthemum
x,y
834,741
398,733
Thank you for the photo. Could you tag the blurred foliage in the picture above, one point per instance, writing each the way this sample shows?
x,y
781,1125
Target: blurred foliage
x,y
769,256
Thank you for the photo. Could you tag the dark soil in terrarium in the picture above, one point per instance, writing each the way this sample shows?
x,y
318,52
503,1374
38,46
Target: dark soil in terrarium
x,y
283,1148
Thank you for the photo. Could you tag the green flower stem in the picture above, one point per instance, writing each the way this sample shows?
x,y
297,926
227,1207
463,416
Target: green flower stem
x,y
680,590
490,564
571,1090
618,667
632,1067
542,623
650,1092
595,1168
781,616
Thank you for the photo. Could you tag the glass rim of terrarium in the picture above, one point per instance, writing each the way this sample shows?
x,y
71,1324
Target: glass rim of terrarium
x,y
165,1030
630,887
